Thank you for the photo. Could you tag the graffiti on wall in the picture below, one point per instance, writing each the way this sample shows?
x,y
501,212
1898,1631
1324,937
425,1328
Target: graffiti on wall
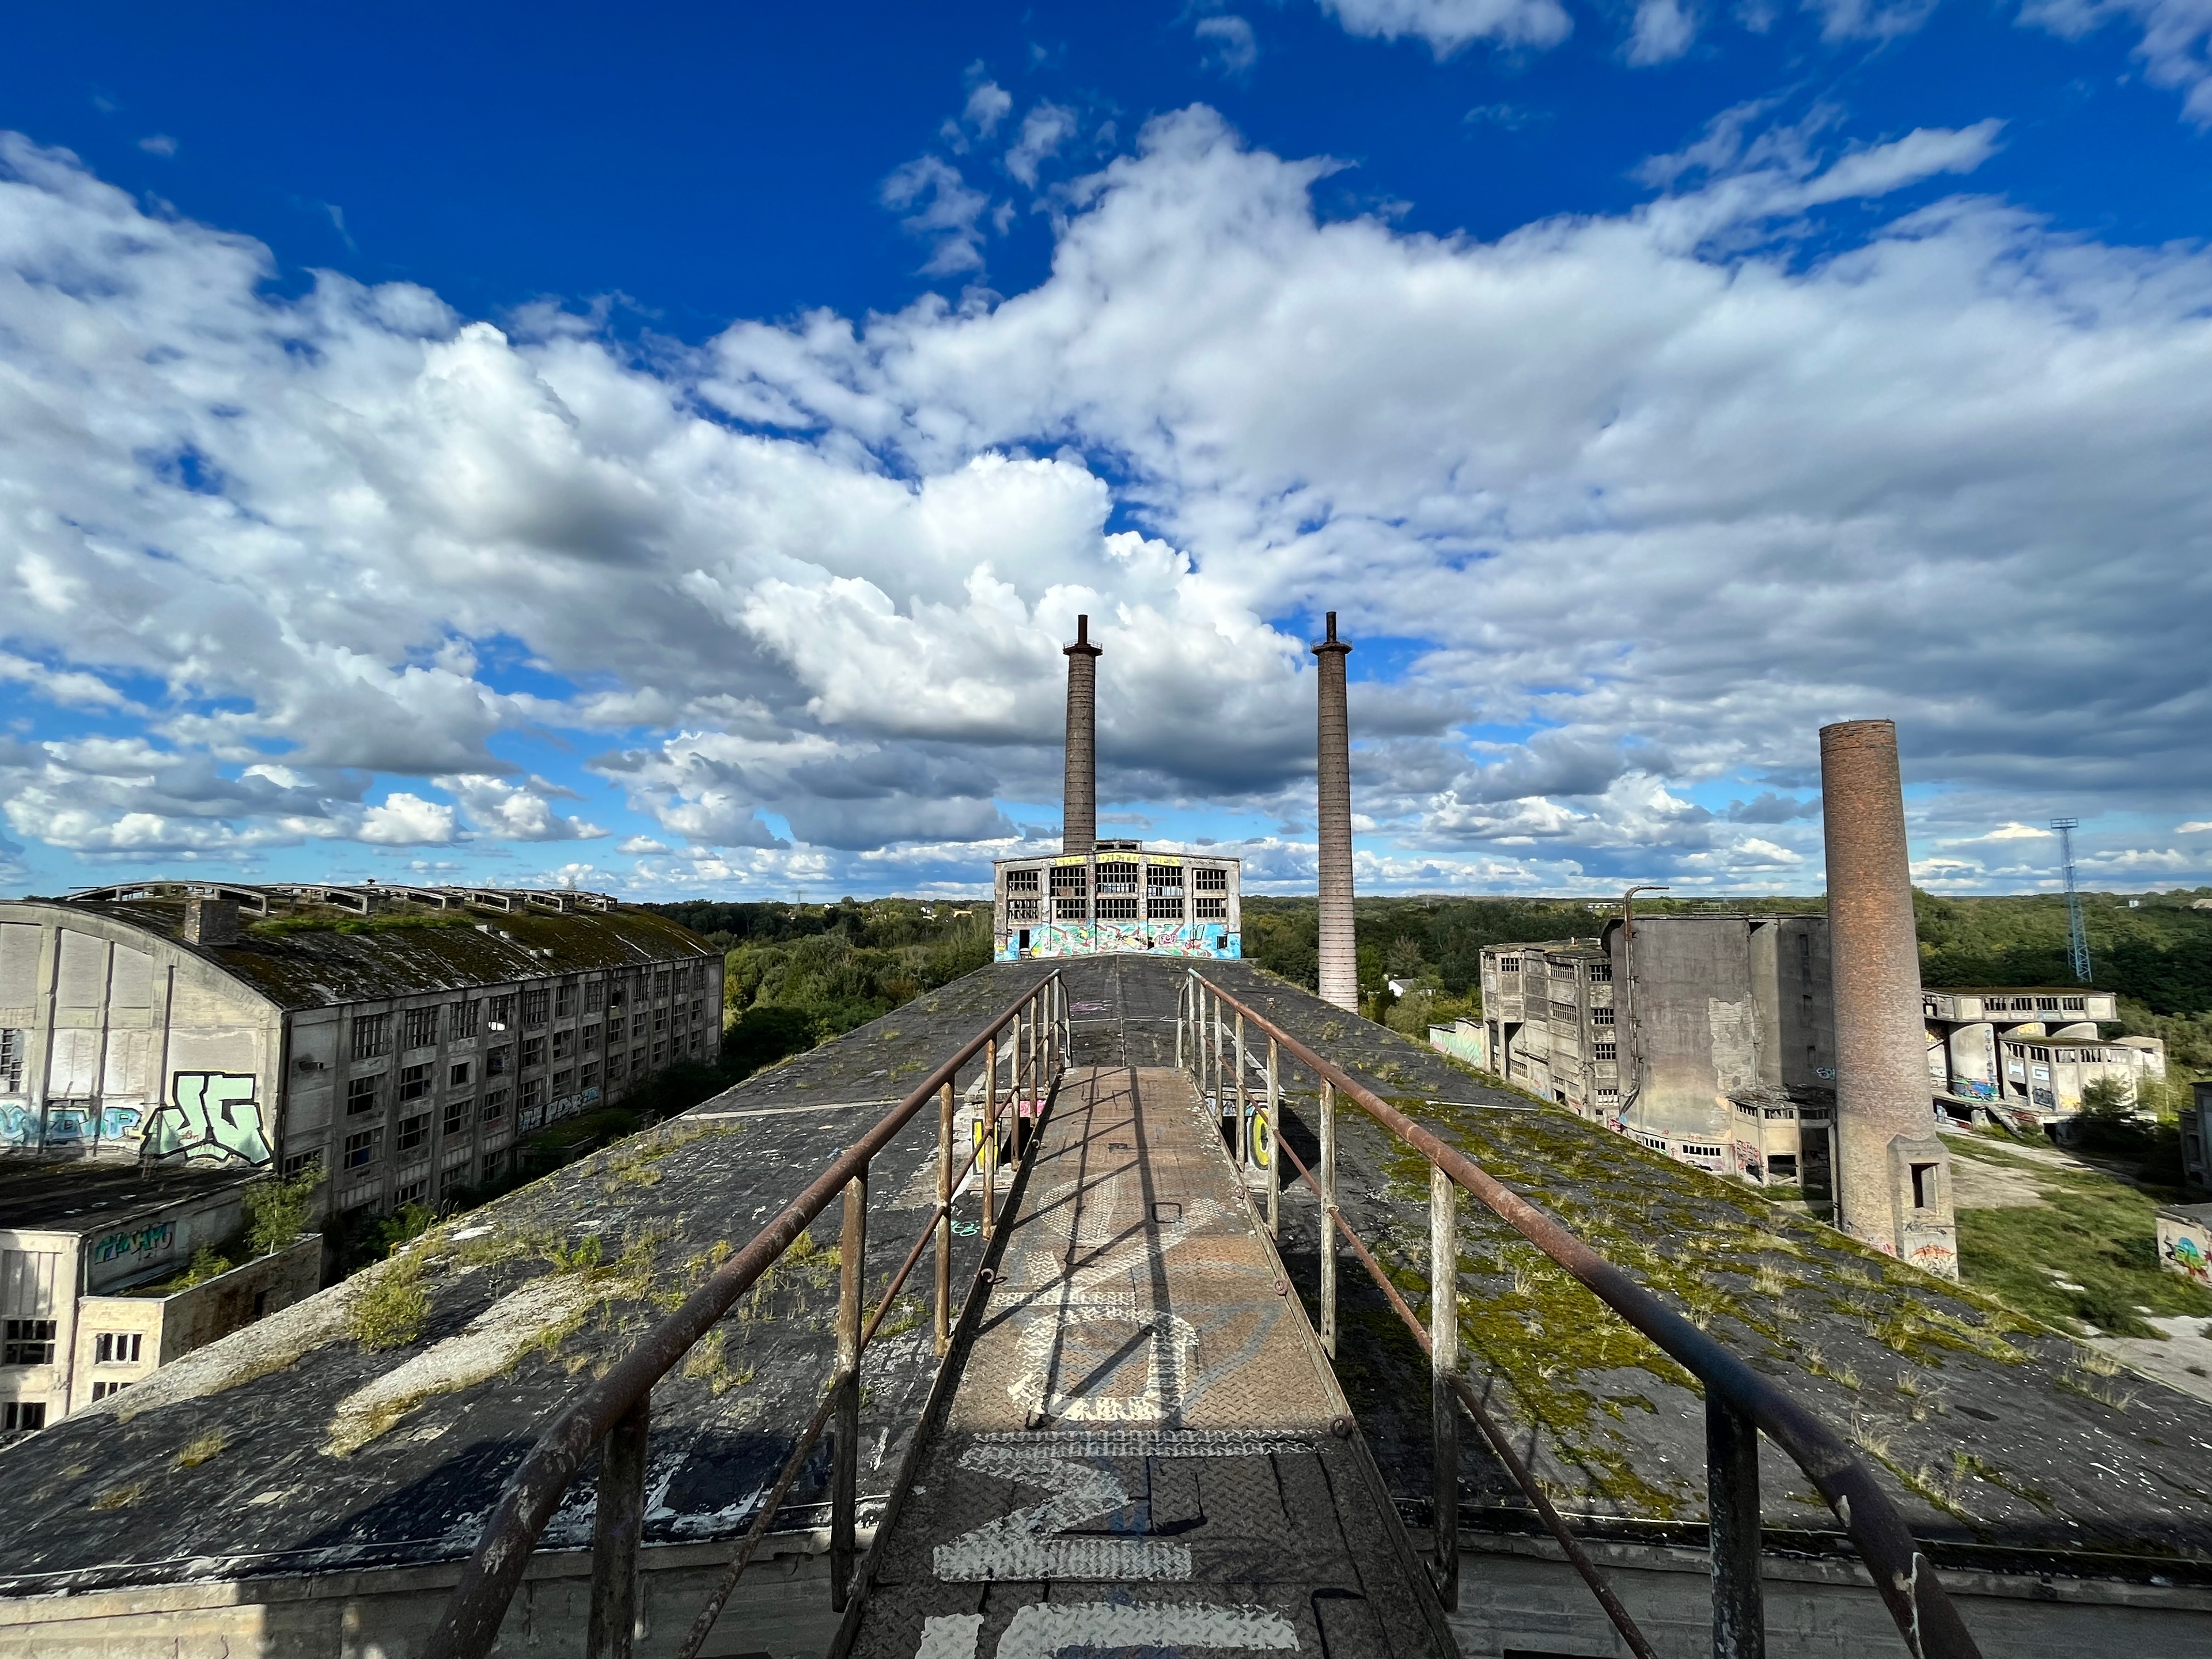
x,y
210,1117
19,1124
1210,940
143,1241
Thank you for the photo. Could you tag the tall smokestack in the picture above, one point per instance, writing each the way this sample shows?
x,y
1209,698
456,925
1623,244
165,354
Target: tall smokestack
x,y
1891,1174
1340,948
1079,794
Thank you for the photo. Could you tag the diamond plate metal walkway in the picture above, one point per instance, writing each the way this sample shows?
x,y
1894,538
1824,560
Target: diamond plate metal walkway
x,y
1144,1447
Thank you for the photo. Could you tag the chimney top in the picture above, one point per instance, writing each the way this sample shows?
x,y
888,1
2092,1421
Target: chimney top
x,y
1082,640
1331,642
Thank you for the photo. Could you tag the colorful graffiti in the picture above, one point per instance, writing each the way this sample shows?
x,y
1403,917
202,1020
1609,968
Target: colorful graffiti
x,y
210,1118
144,1241
78,1125
2188,1258
20,1124
1211,940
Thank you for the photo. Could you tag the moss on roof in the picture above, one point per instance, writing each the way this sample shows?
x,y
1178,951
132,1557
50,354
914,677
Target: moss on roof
x,y
316,957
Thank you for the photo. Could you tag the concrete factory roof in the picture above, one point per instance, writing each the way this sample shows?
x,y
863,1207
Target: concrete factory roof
x,y
2005,1442
78,1198
313,956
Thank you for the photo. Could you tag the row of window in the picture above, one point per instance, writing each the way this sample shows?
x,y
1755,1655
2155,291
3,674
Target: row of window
x,y
1119,876
1116,908
418,1028
1598,973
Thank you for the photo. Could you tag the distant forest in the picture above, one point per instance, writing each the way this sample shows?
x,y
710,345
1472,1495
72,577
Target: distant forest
x,y
799,974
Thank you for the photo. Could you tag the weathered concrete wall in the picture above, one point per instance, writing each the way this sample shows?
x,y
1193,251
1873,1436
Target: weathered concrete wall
x,y
1694,1023
1517,1596
131,1044
781,1608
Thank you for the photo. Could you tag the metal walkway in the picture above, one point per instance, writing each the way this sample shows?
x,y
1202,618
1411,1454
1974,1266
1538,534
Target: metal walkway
x,y
1144,1447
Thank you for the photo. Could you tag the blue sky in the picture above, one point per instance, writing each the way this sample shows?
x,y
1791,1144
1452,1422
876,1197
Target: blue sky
x,y
664,454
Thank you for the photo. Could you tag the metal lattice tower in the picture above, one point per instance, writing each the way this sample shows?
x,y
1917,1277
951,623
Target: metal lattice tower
x,y
2077,936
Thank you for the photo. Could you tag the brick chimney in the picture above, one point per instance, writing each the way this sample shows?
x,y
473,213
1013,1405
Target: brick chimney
x,y
1891,1174
1079,794
211,920
1339,949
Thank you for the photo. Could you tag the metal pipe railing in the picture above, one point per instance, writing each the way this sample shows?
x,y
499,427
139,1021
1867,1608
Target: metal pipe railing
x,y
1740,1404
471,1620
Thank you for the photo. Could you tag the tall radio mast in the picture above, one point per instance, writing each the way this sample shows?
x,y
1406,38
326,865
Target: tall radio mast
x,y
2077,936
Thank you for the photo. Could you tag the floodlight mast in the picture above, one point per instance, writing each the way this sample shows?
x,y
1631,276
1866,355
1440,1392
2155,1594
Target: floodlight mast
x,y
2077,936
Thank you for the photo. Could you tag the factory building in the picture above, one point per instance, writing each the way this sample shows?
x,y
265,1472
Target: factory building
x,y
93,1287
1709,1038
398,1040
2030,1052
1119,897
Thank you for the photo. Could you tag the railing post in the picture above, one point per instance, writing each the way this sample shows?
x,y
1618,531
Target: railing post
x,y
617,1526
1182,1018
1018,1078
1243,1123
1444,1365
1220,1104
1732,1492
1328,1216
1274,1139
990,1149
845,1474
944,1316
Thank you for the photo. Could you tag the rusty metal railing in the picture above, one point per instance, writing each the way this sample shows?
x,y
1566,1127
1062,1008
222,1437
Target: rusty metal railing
x,y
611,1414
1740,1404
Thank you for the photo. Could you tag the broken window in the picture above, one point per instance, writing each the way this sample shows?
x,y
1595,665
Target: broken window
x,y
1210,878
456,1120
1160,907
533,1051
414,1082
1024,881
534,1005
414,1132
362,1094
1601,973
1117,907
1024,910
463,1021
1070,909
564,999
26,1342
1117,876
372,1035
1209,910
1163,878
1069,879
421,1026
360,1149
1600,1016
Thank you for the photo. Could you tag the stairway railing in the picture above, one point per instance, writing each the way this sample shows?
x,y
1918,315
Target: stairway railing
x,y
610,1415
1211,1039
